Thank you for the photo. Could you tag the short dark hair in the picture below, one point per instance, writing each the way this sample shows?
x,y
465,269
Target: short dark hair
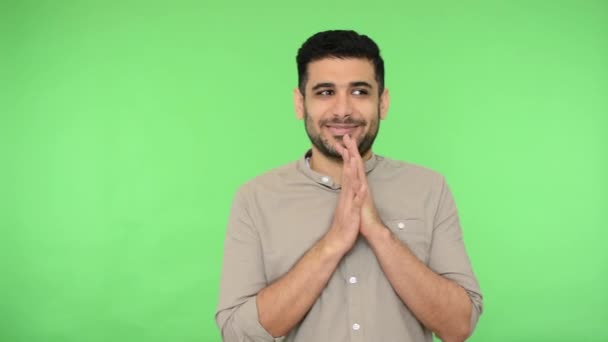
x,y
338,44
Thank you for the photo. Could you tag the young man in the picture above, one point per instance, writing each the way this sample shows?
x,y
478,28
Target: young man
x,y
345,245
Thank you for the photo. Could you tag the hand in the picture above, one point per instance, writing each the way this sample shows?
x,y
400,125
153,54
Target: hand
x,y
370,220
347,216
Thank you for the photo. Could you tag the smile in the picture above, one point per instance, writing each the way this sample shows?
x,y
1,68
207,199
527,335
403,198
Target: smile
x,y
341,129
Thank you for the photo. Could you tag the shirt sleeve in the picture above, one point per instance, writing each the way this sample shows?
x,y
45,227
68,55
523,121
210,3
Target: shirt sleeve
x,y
242,278
448,255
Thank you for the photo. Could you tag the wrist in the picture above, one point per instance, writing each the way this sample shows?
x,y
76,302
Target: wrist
x,y
376,233
333,246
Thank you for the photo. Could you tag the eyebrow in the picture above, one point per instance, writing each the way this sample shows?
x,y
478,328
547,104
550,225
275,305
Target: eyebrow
x,y
332,85
323,85
361,84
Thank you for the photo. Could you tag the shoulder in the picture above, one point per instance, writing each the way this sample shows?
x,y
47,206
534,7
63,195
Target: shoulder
x,y
409,172
270,179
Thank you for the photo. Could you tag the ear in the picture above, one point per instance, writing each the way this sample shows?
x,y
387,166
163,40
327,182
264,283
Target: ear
x,y
298,103
385,100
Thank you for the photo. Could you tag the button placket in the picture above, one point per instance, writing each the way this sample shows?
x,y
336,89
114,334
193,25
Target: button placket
x,y
353,263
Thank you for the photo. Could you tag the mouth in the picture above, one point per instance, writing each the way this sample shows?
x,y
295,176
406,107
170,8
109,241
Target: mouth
x,y
341,129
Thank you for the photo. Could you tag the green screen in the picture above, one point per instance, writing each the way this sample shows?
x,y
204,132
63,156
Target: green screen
x,y
126,128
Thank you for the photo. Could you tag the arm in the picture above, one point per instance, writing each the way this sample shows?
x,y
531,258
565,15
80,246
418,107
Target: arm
x,y
242,277
441,304
249,308
284,303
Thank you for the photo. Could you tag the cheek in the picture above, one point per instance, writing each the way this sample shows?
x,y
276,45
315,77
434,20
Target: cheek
x,y
318,107
315,114
312,122
370,108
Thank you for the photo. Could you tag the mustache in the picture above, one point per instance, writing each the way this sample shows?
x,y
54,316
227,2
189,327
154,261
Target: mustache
x,y
346,121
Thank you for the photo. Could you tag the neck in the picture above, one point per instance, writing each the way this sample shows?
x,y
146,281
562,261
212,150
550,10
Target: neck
x,y
329,166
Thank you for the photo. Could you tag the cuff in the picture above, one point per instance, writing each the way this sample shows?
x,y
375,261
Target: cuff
x,y
247,314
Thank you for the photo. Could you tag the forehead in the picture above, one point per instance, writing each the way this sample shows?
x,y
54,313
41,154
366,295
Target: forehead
x,y
341,71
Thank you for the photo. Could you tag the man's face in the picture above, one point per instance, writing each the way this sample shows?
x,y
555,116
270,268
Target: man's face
x,y
341,98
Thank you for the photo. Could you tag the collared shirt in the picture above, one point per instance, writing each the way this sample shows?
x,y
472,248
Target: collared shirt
x,y
278,216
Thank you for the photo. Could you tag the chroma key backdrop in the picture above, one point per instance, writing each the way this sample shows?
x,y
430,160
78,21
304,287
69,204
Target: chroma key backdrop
x,y
127,126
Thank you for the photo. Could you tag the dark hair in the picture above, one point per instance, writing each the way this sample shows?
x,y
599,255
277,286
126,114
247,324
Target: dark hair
x,y
338,44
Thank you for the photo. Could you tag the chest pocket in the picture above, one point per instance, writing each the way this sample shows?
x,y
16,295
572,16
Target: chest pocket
x,y
413,233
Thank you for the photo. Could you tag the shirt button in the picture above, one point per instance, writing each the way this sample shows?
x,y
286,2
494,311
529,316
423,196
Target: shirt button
x,y
325,179
356,326
401,225
352,280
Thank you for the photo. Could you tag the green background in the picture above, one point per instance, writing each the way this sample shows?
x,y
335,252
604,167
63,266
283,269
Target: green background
x,y
126,128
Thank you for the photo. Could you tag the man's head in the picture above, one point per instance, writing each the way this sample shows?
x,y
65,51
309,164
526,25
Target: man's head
x,y
338,44
341,90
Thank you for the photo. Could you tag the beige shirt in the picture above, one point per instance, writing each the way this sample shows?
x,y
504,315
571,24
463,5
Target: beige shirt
x,y
279,215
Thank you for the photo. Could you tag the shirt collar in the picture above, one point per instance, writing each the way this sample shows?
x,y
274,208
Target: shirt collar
x,y
325,180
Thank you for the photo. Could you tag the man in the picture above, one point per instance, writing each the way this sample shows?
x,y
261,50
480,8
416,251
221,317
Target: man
x,y
345,245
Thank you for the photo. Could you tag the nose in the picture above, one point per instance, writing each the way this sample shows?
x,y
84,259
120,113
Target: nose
x,y
342,105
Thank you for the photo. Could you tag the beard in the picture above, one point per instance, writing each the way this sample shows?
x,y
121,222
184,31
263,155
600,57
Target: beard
x,y
364,143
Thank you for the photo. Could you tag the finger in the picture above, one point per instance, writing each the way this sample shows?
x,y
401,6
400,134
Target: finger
x,y
359,164
355,169
347,173
351,145
360,196
354,181
338,147
361,171
349,186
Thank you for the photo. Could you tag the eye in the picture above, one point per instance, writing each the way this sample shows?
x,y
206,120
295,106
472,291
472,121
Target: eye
x,y
360,92
325,92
